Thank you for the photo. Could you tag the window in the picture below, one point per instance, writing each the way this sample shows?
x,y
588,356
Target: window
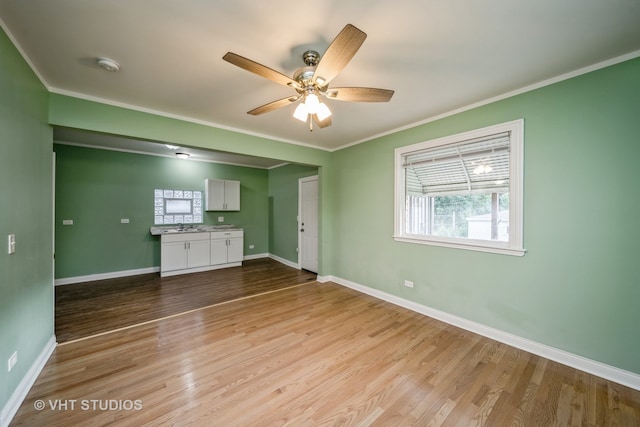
x,y
463,191
177,207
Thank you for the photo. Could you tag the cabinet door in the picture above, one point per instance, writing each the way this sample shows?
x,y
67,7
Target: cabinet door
x,y
198,253
173,256
214,194
232,195
218,251
235,250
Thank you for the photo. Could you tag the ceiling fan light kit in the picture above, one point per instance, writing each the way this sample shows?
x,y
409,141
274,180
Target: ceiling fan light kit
x,y
312,82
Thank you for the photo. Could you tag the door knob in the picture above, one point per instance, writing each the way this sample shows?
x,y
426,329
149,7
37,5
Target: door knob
x,y
302,229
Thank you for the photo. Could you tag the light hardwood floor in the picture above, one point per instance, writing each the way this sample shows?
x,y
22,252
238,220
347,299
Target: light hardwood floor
x,y
314,355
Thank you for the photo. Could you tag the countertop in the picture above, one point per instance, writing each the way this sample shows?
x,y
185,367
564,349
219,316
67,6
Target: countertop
x,y
202,228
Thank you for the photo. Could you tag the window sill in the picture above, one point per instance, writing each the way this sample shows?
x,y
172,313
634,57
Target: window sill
x,y
467,246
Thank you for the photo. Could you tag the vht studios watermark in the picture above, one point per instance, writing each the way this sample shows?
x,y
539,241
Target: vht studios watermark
x,y
88,405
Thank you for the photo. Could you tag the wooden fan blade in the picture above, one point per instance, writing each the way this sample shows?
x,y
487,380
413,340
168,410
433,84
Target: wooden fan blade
x,y
338,54
273,105
259,69
359,94
322,124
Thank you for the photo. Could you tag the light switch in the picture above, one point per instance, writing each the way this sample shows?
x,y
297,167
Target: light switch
x,y
124,221
67,222
220,219
11,249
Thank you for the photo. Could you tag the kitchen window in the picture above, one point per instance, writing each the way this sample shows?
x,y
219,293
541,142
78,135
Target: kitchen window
x,y
463,191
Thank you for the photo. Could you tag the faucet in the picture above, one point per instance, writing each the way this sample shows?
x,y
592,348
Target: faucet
x,y
180,226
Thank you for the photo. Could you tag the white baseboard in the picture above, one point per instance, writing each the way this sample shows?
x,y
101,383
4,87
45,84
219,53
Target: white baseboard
x,y
126,273
611,373
285,261
255,256
102,276
18,395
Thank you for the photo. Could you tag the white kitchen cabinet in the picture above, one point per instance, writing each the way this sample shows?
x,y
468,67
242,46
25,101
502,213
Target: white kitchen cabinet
x,y
184,251
190,252
222,195
227,247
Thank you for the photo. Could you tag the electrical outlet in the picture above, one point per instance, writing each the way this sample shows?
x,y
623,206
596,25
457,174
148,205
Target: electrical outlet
x,y
124,220
408,283
251,246
67,222
220,219
12,361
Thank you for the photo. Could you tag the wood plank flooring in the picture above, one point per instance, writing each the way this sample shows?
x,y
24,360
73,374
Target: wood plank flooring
x,y
86,309
313,355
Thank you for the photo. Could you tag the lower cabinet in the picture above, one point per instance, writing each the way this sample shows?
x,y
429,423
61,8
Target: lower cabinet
x,y
192,252
227,247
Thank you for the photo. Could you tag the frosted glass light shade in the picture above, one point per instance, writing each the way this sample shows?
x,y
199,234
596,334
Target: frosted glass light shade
x,y
301,112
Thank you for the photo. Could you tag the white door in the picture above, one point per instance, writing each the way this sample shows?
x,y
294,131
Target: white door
x,y
308,223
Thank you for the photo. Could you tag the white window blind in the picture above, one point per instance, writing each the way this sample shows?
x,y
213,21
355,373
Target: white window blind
x,y
478,165
463,191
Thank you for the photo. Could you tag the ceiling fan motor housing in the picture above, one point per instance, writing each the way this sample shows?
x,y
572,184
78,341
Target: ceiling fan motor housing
x,y
311,58
304,76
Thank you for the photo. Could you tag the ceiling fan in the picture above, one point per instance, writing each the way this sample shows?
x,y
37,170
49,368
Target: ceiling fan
x,y
312,82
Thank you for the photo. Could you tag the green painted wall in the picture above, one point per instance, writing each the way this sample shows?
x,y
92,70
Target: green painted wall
x,y
578,287
283,209
96,188
26,277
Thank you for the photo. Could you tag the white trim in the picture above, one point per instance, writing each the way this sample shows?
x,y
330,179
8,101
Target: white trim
x,y
24,56
284,261
102,276
528,88
548,82
17,397
459,245
608,372
255,256
136,272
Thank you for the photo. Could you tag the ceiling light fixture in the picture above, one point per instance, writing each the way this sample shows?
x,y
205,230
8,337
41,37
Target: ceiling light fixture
x,y
182,156
311,105
108,64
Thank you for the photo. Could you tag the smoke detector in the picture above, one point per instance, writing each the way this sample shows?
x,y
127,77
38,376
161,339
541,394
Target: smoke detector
x,y
108,64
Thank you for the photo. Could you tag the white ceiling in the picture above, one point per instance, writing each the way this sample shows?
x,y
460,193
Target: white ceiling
x,y
438,56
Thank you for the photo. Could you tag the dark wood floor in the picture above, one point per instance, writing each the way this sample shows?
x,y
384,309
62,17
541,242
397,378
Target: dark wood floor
x,y
86,309
313,355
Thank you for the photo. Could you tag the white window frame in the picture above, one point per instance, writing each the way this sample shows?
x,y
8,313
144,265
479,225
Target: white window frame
x,y
516,171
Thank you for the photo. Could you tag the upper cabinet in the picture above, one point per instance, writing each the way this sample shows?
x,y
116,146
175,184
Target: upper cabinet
x,y
222,195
